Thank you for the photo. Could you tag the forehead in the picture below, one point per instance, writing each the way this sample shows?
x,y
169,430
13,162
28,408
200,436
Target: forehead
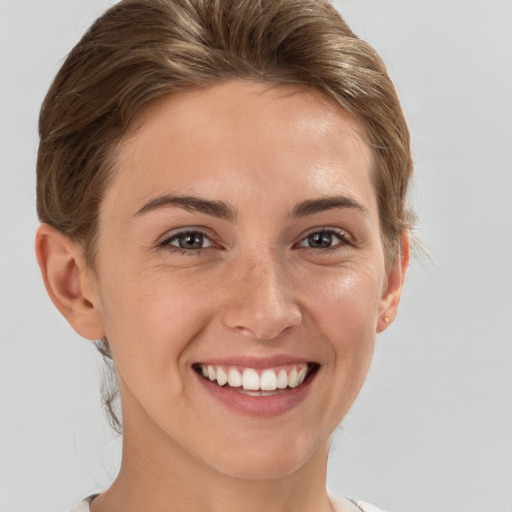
x,y
258,140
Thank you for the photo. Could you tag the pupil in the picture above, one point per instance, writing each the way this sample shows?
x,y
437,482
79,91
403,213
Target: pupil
x,y
322,240
191,241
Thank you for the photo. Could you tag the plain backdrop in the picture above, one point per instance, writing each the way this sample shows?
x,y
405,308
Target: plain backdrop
x,y
432,428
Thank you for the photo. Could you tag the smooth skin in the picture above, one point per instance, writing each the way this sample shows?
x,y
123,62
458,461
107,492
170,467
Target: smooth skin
x,y
208,248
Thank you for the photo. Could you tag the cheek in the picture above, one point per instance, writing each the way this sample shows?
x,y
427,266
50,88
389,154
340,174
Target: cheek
x,y
345,304
148,319
344,311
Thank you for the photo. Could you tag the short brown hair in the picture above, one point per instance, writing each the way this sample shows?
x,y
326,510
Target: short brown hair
x,y
140,50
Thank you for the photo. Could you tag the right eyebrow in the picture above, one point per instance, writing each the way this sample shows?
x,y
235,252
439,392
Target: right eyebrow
x,y
192,204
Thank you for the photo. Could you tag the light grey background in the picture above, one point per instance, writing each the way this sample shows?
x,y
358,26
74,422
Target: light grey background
x,y
432,429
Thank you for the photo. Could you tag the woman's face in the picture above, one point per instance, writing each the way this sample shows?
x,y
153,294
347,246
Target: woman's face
x,y
239,239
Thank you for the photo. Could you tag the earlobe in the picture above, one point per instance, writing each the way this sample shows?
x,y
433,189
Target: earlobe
x,y
388,307
68,281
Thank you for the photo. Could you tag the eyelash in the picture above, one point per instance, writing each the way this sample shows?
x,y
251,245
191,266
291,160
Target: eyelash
x,y
167,242
340,234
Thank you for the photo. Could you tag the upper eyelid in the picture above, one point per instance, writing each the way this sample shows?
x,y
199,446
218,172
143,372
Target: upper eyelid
x,y
329,229
325,228
173,233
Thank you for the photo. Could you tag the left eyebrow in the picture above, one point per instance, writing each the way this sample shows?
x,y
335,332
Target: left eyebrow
x,y
312,206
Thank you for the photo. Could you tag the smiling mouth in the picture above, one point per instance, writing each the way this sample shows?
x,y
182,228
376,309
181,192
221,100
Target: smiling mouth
x,y
257,382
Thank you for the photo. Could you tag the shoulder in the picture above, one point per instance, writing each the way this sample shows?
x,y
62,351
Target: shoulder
x,y
83,506
365,507
340,505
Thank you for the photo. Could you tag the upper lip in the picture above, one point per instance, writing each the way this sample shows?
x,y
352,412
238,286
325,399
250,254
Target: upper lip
x,y
255,361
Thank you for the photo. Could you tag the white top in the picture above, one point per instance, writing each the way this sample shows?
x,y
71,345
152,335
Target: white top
x,y
83,506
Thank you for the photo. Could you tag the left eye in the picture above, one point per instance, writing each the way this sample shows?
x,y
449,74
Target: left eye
x,y
189,240
324,239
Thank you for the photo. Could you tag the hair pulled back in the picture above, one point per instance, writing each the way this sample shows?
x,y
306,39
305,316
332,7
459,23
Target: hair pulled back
x,y
141,50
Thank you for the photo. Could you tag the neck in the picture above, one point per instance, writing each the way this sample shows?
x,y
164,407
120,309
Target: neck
x,y
158,475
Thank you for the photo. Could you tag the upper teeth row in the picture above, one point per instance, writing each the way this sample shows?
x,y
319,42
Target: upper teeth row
x,y
251,380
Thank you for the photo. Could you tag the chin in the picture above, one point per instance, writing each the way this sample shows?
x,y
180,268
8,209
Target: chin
x,y
274,468
270,459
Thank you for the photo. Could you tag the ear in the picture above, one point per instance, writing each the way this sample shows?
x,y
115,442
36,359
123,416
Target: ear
x,y
388,306
69,282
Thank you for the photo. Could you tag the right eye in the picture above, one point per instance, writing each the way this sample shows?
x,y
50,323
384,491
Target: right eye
x,y
188,241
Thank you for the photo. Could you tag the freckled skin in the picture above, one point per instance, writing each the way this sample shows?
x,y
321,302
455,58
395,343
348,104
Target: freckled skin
x,y
258,289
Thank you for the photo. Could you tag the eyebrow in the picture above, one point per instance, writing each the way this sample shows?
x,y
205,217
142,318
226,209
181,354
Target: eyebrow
x,y
323,204
222,210
192,204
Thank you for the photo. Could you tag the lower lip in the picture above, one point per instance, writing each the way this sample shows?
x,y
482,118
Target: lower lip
x,y
260,406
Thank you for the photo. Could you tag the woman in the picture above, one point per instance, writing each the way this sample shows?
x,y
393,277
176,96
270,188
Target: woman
x,y
221,187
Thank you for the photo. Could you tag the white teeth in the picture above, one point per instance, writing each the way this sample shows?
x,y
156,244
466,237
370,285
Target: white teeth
x,y
293,378
282,379
234,378
251,379
268,380
300,377
222,377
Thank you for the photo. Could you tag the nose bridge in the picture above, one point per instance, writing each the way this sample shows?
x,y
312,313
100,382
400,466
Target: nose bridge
x,y
262,304
268,280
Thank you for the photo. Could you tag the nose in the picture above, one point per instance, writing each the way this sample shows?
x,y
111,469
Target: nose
x,y
261,302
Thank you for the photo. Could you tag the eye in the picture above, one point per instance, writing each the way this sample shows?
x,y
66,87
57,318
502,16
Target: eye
x,y
324,239
188,240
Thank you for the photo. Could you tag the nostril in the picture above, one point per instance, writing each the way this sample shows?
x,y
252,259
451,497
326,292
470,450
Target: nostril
x,y
245,331
264,333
